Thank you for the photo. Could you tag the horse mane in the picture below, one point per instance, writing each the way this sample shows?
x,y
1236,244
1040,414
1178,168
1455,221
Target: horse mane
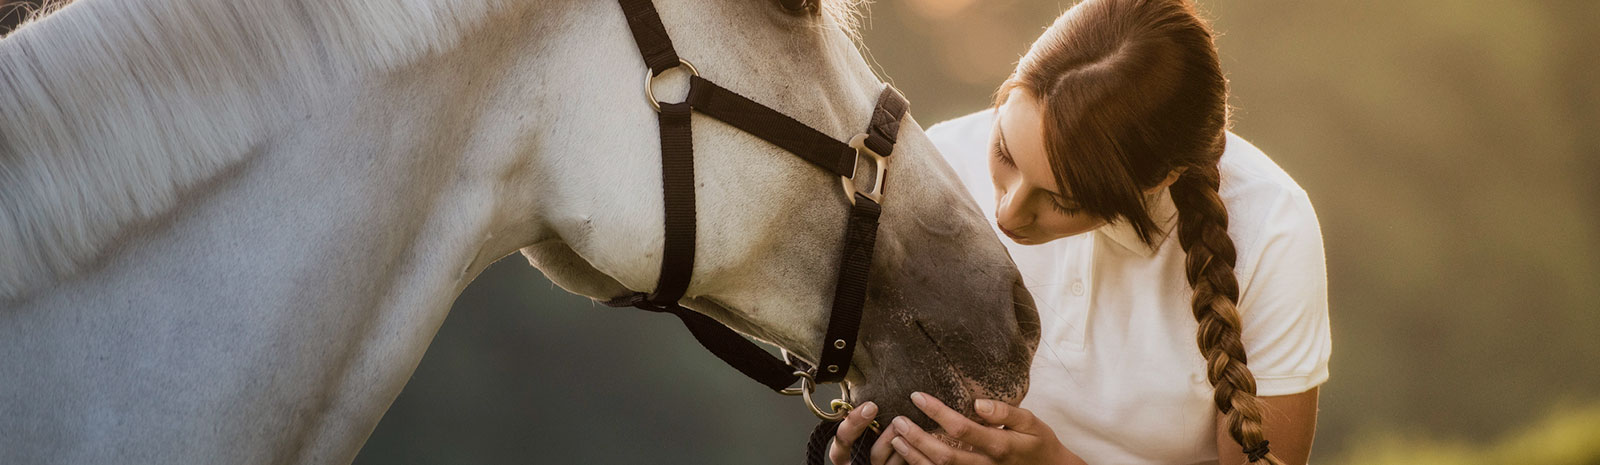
x,y
101,129
848,15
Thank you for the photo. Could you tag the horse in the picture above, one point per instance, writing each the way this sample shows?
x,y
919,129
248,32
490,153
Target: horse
x,y
229,229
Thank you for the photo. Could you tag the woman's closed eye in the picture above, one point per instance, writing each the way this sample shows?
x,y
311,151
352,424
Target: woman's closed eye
x,y
999,152
1063,209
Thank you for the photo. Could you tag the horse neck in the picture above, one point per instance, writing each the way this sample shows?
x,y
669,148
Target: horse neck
x,y
113,111
294,233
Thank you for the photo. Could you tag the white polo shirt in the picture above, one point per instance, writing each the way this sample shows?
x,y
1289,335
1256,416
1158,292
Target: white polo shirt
x,y
1118,375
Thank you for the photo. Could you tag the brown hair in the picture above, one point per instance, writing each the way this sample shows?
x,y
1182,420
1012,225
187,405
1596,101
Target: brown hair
x,y
1132,90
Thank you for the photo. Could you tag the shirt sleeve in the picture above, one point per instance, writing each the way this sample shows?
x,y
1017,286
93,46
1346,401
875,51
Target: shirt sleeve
x,y
1284,304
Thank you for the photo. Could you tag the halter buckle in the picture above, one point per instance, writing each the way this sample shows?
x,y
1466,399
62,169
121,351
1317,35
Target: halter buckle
x,y
650,80
880,169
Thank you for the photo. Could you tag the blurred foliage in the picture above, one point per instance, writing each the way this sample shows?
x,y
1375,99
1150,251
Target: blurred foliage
x,y
1565,437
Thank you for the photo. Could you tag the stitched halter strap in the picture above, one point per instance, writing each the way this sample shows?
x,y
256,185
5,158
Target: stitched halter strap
x,y
832,155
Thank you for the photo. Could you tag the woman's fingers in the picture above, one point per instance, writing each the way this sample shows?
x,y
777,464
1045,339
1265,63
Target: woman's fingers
x,y
855,423
1014,418
883,450
839,454
921,448
850,429
990,440
909,454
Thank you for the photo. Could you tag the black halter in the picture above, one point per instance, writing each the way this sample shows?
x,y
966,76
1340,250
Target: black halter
x,y
832,155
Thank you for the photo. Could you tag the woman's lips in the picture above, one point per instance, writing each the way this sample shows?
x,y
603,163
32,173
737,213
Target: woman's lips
x,y
1008,232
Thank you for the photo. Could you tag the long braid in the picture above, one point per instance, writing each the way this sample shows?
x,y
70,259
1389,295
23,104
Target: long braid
x,y
1203,233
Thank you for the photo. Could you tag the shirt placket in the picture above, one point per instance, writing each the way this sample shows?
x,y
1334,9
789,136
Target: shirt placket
x,y
1078,290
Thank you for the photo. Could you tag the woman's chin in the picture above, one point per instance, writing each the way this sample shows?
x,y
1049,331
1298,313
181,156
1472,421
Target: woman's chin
x,y
1031,238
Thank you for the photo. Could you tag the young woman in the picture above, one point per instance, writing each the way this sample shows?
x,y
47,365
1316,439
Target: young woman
x,y
1179,271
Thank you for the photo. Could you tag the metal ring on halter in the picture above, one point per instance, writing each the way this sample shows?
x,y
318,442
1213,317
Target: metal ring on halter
x,y
840,407
650,79
880,166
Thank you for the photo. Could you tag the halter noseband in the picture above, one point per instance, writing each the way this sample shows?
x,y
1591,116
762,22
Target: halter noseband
x,y
835,156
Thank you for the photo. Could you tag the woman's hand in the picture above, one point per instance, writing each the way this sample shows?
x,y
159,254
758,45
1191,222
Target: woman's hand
x,y
854,424
1017,437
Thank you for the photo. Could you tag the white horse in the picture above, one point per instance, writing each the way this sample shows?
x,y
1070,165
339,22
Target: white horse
x,y
228,230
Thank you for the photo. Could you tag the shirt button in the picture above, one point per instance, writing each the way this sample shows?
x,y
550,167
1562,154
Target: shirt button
x,y
1077,288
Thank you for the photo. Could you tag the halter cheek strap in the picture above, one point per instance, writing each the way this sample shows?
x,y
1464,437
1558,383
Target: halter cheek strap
x,y
832,155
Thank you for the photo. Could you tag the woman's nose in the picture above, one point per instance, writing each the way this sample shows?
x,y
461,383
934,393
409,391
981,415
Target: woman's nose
x,y
1010,214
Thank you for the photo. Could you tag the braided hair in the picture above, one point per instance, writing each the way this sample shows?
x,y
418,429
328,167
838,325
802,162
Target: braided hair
x,y
1131,92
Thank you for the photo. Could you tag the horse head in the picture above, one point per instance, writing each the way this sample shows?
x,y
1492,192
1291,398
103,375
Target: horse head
x,y
945,311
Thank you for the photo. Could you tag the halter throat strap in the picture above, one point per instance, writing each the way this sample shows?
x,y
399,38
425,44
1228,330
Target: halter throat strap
x,y
830,154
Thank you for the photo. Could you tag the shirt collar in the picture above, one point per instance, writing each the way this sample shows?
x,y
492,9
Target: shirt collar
x,y
1165,215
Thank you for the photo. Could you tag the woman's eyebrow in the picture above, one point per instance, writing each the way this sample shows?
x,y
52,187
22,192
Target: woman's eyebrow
x,y
1000,144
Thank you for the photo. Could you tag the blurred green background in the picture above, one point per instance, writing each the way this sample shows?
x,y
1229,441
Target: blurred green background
x,y
1450,149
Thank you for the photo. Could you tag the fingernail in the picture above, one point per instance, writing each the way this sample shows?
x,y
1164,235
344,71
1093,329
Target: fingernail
x,y
901,423
869,409
916,398
985,406
899,444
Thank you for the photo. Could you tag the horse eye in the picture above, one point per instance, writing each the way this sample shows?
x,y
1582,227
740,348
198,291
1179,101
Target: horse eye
x,y
799,6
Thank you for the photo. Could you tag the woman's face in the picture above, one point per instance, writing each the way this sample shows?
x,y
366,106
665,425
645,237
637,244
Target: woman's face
x,y
1029,205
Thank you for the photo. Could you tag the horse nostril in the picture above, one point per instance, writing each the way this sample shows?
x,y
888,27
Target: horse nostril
x,y
1026,313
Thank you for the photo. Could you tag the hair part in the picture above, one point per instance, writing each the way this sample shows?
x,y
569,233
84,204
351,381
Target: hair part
x,y
1131,91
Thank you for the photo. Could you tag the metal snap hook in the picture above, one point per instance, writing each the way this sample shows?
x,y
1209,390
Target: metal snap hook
x,y
838,408
808,384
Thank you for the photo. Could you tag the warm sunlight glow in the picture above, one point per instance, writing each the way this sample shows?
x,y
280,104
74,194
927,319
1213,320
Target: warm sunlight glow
x,y
939,9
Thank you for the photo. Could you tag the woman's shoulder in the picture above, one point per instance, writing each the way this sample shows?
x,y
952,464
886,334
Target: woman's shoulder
x,y
1252,183
1283,286
1264,203
963,144
975,123
1246,170
962,135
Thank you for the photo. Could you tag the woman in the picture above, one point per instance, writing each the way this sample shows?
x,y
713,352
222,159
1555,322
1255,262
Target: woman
x,y
1178,270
